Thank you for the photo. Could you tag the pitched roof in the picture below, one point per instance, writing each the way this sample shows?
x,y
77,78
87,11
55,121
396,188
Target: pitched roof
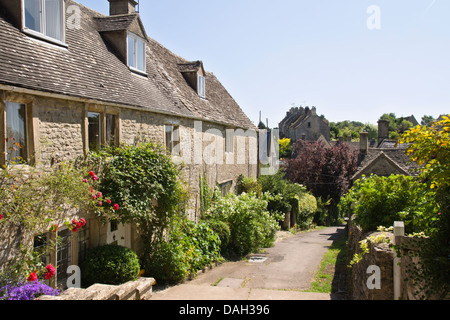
x,y
90,68
396,159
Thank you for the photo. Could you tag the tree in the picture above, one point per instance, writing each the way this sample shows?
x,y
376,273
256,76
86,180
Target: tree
x,y
326,172
429,147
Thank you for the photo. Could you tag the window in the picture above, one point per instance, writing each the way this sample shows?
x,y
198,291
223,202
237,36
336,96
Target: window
x,y
225,187
111,130
45,17
16,137
63,257
229,140
201,86
173,139
95,131
136,52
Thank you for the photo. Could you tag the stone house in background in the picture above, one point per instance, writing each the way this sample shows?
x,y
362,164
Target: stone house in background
x,y
383,157
73,80
304,124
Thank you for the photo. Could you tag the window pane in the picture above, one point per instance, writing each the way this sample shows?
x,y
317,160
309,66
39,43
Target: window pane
x,y
201,86
169,138
131,52
53,19
110,130
140,55
33,15
95,127
63,257
16,144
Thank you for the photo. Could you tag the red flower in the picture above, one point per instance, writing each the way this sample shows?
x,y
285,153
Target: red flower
x,y
1,216
100,203
91,173
83,222
116,207
93,197
54,228
85,180
33,276
99,195
109,201
50,272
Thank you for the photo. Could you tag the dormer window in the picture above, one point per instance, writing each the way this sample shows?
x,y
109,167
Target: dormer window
x,y
44,18
201,86
136,52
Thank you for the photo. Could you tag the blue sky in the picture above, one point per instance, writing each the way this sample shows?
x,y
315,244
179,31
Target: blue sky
x,y
271,55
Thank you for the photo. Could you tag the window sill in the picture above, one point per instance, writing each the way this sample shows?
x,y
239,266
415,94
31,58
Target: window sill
x,y
138,72
44,38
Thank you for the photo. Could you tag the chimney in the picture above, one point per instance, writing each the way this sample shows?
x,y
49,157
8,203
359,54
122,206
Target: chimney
x,y
383,130
363,142
117,7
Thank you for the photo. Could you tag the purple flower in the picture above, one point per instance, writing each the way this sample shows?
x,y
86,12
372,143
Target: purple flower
x,y
27,291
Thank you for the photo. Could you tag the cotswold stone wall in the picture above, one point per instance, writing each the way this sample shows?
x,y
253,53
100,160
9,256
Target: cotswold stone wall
x,y
380,255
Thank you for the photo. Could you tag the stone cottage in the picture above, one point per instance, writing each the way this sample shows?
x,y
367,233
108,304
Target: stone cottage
x,y
73,80
383,157
304,124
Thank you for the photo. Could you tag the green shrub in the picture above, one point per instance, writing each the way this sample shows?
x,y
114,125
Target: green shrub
x,y
189,248
109,264
307,207
379,201
252,227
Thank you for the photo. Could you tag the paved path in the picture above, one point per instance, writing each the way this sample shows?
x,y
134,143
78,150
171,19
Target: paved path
x,y
280,273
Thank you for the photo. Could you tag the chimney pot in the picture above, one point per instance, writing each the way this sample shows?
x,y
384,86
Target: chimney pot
x,y
117,7
363,142
383,130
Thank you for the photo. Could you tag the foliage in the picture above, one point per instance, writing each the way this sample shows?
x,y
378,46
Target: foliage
x,y
325,171
145,181
109,264
429,146
33,199
307,208
347,129
189,248
397,125
380,201
286,148
26,291
248,185
252,227
364,244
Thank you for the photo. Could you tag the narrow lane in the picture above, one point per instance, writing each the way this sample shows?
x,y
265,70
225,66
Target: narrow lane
x,y
283,270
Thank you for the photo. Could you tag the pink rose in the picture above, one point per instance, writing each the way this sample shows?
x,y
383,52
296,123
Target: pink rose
x,y
116,206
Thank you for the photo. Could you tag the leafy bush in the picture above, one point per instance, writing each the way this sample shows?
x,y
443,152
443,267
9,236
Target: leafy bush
x,y
248,185
379,201
289,196
190,248
252,227
109,264
307,207
145,181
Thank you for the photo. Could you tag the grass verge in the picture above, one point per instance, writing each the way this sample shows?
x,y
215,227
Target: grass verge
x,y
328,278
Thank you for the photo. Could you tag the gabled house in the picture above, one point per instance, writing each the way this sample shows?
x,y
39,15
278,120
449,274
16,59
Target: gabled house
x,y
382,158
304,124
73,80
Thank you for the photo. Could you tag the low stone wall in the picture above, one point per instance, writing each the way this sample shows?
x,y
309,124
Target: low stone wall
x,y
379,255
140,289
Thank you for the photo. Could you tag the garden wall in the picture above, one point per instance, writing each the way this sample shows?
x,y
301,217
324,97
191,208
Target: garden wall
x,y
379,255
396,283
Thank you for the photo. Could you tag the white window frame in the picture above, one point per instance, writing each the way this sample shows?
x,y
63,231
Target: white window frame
x,y
136,38
42,34
201,86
